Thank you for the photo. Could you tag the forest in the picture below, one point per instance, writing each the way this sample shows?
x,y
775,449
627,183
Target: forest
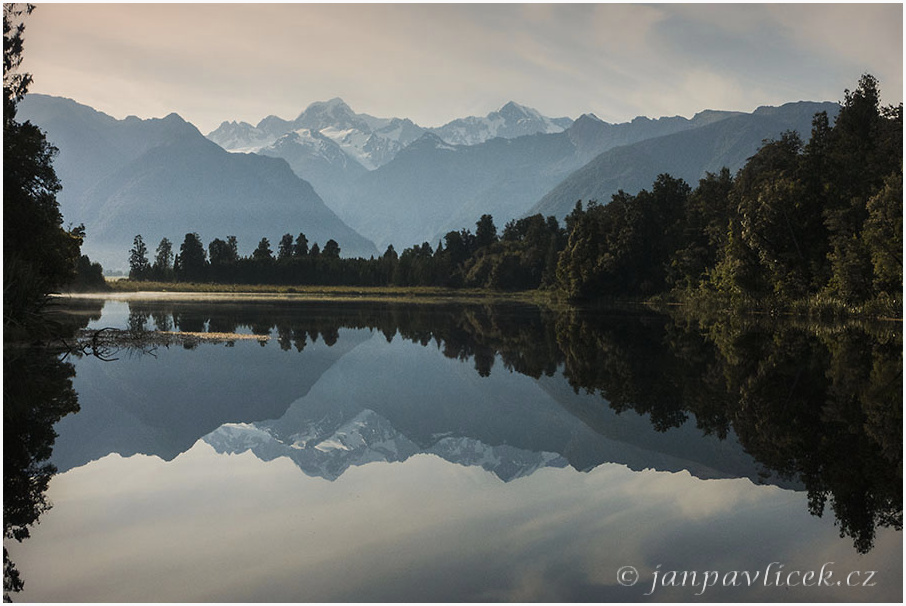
x,y
803,224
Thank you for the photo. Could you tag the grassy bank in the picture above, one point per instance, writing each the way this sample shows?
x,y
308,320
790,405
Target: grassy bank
x,y
705,304
415,294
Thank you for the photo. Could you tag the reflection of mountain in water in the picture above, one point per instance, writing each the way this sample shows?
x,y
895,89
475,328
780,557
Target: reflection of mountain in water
x,y
160,405
500,387
368,438
388,401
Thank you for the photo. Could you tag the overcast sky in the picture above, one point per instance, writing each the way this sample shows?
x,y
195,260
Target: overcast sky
x,y
434,63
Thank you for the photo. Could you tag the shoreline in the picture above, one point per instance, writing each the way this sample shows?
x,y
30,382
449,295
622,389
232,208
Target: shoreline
x,y
417,295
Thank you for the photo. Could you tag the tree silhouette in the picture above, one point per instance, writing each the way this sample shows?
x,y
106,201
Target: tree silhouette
x,y
138,259
192,258
39,255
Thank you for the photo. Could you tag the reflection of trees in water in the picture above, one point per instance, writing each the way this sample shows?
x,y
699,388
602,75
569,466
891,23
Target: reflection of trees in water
x,y
810,402
37,392
820,405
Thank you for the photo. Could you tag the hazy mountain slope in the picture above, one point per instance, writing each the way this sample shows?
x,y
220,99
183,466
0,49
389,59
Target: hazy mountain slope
x,y
92,144
195,186
162,178
317,159
432,187
687,155
331,146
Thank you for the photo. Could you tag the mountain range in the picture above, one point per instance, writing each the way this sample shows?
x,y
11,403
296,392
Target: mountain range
x,y
513,162
370,182
372,142
163,178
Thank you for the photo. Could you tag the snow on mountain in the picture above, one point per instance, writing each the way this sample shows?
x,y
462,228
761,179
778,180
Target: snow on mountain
x,y
240,137
372,141
328,447
369,141
324,451
334,113
504,461
510,121
312,141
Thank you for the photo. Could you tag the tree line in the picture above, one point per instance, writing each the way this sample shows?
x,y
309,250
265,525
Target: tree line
x,y
523,257
816,219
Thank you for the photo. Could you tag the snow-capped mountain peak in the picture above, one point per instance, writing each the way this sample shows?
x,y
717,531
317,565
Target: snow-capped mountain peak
x,y
512,111
369,141
334,113
510,121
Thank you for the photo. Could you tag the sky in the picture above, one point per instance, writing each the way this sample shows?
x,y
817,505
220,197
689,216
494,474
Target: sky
x,y
434,63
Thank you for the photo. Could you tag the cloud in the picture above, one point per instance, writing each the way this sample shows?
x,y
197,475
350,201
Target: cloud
x,y
234,528
437,62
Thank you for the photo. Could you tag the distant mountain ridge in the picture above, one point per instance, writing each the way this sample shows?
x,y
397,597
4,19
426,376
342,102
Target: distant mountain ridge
x,y
375,141
432,187
163,178
689,154
509,122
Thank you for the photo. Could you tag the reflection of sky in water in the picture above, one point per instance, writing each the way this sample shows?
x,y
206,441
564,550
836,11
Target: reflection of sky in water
x,y
234,528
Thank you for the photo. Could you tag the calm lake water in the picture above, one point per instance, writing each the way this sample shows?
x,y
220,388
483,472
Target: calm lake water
x,y
396,453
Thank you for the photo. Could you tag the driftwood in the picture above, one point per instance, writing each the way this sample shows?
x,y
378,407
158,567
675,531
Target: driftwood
x,y
105,343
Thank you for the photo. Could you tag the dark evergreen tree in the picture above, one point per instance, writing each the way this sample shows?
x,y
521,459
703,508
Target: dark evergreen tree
x,y
285,248
192,259
233,247
485,232
865,150
139,266
263,253
300,248
163,260
331,249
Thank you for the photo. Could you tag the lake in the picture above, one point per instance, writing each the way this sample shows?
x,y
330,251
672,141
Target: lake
x,y
391,452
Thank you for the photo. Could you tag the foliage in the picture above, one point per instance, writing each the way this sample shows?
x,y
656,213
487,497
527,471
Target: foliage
x,y
89,277
40,256
139,266
191,262
798,221
523,260
624,248
163,261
